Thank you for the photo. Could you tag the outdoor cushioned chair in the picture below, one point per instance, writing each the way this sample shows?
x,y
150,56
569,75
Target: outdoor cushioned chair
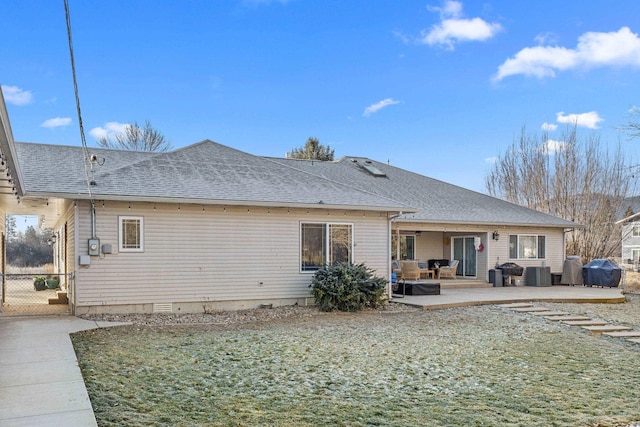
x,y
410,270
449,270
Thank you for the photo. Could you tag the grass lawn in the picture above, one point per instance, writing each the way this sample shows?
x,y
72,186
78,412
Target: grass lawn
x,y
465,366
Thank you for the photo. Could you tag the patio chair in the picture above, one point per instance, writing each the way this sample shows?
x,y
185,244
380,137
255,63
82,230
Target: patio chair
x,y
395,268
449,270
410,270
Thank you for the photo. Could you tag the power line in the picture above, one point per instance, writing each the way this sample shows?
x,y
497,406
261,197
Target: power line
x,y
87,157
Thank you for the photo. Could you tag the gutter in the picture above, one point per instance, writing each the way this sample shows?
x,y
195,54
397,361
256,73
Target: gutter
x,y
8,148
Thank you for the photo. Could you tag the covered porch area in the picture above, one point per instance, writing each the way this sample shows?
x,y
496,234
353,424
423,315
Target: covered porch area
x,y
435,245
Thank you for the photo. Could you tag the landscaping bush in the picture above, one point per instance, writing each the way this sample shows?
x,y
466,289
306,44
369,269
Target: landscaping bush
x,y
347,287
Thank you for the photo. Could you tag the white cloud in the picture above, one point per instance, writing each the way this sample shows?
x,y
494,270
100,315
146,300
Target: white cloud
x,y
614,49
545,38
109,129
491,160
589,120
379,106
16,96
452,28
552,146
56,122
549,127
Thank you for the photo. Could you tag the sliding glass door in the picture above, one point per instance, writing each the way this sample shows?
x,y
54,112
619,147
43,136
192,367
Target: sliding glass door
x,y
464,251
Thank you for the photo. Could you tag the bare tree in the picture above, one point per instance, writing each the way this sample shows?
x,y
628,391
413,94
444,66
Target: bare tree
x,y
312,150
576,179
633,127
135,138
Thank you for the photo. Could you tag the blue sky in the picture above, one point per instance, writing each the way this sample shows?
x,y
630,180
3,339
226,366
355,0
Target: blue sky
x,y
439,88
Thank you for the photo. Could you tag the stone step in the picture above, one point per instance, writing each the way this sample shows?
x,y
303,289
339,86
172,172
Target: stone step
x,y
550,313
585,322
606,328
623,334
60,299
565,318
530,309
516,305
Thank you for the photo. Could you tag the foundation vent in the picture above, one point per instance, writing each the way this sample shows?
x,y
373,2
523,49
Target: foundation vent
x,y
163,308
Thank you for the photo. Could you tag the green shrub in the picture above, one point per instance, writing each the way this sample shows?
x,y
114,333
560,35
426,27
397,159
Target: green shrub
x,y
347,287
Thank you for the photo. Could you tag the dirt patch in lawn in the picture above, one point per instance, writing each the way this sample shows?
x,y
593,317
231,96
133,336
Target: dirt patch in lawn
x,y
462,366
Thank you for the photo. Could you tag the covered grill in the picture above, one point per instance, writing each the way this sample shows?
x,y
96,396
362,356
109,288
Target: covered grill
x,y
511,269
601,272
572,271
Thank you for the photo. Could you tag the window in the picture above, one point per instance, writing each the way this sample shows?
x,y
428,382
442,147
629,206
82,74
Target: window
x,y
635,255
527,246
635,230
323,244
130,234
407,247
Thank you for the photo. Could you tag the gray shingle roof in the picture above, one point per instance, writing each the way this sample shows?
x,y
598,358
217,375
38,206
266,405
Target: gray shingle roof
x,y
213,173
435,200
204,172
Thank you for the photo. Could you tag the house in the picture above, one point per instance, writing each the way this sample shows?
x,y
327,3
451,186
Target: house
x,y
209,227
631,240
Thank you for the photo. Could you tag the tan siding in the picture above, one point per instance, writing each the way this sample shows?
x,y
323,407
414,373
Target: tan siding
x,y
555,252
429,245
193,255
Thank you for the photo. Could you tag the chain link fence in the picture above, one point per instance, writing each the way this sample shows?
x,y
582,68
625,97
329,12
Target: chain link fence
x,y
31,294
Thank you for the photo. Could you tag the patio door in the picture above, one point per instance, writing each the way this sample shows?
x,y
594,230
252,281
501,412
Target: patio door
x,y
465,252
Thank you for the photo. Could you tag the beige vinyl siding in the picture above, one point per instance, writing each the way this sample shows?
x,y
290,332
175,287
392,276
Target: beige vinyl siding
x,y
195,253
70,263
429,245
555,250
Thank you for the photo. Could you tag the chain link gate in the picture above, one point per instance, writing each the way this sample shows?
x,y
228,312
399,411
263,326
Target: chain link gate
x,y
35,294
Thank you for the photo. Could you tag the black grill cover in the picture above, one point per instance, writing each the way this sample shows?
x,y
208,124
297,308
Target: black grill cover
x,y
601,272
511,269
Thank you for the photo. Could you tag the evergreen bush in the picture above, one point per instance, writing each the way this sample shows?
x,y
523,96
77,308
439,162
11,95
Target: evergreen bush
x,y
347,287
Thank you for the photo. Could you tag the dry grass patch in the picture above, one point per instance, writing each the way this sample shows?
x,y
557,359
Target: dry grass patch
x,y
465,366
632,282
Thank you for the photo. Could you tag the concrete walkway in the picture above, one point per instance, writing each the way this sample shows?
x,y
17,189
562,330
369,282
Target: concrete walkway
x,y
502,295
41,384
40,381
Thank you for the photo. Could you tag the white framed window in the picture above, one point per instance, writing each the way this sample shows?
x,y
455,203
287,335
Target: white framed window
x,y
323,244
130,234
526,246
635,230
635,255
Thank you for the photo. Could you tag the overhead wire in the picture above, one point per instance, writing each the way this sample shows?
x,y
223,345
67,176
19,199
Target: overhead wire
x,y
87,157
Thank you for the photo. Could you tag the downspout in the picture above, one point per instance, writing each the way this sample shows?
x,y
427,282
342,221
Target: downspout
x,y
391,218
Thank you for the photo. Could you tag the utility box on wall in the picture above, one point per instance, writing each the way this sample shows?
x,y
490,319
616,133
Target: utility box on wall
x,y
94,246
84,260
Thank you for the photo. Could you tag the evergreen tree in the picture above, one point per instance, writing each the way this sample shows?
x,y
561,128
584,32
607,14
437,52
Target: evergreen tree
x,y
312,150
